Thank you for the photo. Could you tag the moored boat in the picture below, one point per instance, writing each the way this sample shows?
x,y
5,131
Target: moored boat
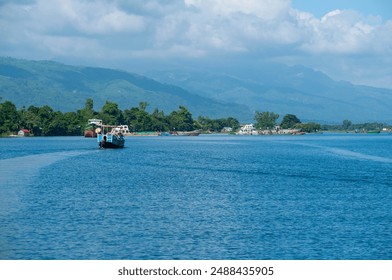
x,y
89,129
185,133
112,139
146,133
123,129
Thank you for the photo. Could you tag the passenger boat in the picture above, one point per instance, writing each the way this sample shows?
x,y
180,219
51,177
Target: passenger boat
x,y
112,139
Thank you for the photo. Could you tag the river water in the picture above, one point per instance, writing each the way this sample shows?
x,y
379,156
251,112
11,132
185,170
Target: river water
x,y
304,197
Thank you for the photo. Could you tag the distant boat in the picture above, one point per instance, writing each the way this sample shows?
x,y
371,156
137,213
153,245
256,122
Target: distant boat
x,y
374,131
296,132
89,129
123,129
146,133
112,139
185,133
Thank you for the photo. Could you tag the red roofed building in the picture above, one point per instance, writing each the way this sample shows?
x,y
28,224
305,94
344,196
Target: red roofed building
x,y
24,132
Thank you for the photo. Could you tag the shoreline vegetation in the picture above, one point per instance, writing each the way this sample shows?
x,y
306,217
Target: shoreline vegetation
x,y
44,121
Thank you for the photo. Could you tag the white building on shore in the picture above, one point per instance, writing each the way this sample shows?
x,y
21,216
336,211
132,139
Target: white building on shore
x,y
248,129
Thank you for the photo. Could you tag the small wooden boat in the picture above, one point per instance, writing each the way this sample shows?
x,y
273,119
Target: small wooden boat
x,y
112,139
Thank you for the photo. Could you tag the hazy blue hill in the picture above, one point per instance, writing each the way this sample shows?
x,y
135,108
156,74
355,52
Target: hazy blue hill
x,y
305,92
65,87
220,92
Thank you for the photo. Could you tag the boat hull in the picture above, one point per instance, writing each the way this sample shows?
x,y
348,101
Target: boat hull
x,y
90,133
109,145
110,141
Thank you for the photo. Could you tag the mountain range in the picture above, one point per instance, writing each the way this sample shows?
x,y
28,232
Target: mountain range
x,y
221,92
307,93
66,88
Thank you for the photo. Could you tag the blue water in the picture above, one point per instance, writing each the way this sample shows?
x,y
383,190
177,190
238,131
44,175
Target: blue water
x,y
209,197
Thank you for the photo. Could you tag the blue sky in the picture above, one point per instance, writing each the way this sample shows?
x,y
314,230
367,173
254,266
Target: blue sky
x,y
348,40
319,8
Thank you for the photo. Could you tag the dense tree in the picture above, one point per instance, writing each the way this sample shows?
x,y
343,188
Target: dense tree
x,y
138,118
360,127
208,124
217,125
88,111
308,127
111,114
289,121
44,121
265,120
130,117
9,117
346,124
66,124
57,126
159,121
181,120
232,122
46,116
32,120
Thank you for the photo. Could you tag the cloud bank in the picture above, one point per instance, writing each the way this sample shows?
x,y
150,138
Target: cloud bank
x,y
338,43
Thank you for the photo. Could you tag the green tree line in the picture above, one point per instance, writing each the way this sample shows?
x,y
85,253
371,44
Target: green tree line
x,y
348,125
269,120
44,121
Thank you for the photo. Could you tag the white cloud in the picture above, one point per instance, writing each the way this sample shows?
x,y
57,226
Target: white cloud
x,y
330,15
188,28
345,32
86,17
265,10
220,25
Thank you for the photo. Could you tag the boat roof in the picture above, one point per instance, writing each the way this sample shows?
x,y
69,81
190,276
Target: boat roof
x,y
106,125
94,121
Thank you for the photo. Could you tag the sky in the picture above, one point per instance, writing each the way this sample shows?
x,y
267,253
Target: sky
x,y
346,39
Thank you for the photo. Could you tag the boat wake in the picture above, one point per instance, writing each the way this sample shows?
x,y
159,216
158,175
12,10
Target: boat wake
x,y
355,155
17,173
349,154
